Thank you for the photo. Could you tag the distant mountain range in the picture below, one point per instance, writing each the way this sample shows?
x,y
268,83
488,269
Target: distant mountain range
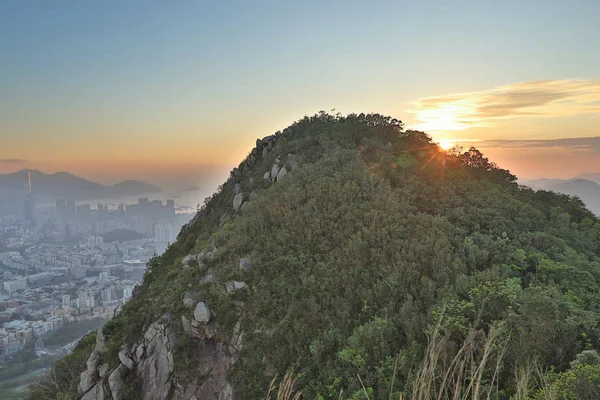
x,y
64,185
590,177
586,189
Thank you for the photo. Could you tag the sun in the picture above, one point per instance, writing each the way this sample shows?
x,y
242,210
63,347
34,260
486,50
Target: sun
x,y
445,144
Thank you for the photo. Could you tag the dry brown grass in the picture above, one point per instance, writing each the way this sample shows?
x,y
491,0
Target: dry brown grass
x,y
285,390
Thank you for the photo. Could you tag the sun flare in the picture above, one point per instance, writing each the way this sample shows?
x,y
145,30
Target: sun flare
x,y
445,144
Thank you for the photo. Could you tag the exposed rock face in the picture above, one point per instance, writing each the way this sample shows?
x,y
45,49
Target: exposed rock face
x,y
115,382
96,393
188,259
156,365
232,286
89,377
103,370
237,188
219,358
208,278
202,313
245,263
238,199
283,172
125,358
274,171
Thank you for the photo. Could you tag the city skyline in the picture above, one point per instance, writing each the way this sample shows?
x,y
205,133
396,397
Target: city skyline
x,y
176,93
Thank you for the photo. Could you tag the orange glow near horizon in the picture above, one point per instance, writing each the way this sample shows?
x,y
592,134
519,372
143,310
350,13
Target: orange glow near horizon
x,y
445,144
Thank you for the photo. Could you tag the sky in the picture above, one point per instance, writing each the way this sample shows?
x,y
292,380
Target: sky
x,y
176,92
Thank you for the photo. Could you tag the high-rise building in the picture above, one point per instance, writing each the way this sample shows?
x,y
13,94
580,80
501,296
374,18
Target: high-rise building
x,y
61,209
28,203
84,213
70,211
28,207
170,209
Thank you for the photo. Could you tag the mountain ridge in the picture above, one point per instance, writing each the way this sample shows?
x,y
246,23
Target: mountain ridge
x,y
587,190
69,186
367,263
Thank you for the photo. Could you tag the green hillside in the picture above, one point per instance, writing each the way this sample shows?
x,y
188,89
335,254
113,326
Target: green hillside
x,y
378,266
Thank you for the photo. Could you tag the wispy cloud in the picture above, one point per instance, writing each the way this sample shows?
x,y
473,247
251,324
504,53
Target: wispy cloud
x,y
558,98
587,144
12,161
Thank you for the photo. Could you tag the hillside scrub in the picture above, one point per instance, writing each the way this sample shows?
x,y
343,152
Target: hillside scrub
x,y
379,252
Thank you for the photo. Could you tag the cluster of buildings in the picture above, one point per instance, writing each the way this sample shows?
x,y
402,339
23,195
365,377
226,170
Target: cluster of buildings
x,y
58,266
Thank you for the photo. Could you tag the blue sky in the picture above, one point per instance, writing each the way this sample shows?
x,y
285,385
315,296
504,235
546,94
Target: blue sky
x,y
150,82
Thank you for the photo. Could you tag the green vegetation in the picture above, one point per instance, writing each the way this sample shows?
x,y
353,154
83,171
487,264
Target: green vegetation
x,y
60,382
385,267
20,370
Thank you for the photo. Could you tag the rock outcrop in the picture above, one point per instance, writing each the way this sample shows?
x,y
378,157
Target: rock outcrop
x,y
202,313
89,378
149,362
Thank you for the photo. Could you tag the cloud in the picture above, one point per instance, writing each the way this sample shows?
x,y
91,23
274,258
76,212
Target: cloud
x,y
587,144
12,161
558,98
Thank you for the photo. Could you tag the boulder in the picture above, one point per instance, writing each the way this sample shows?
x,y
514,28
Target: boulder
x,y
103,370
209,277
202,313
237,188
282,173
115,382
125,358
232,286
210,256
238,200
139,353
188,259
245,263
274,171
267,175
96,393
